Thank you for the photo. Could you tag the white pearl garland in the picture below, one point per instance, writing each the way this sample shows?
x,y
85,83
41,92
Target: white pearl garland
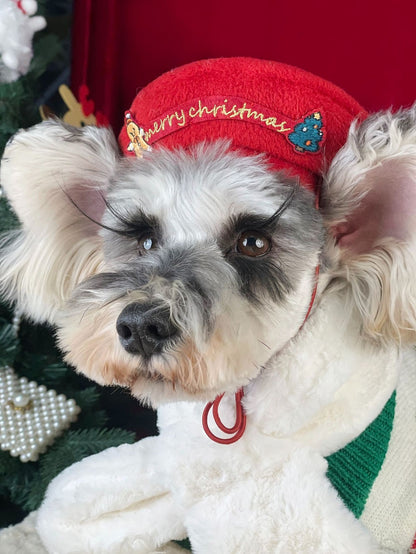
x,y
16,321
31,416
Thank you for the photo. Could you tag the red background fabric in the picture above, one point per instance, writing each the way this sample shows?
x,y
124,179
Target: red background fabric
x,y
367,47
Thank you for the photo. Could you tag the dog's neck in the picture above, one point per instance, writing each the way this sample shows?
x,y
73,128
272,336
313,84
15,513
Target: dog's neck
x,y
321,390
327,385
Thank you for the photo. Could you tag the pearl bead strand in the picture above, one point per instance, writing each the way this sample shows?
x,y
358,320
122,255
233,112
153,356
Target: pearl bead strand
x,y
31,416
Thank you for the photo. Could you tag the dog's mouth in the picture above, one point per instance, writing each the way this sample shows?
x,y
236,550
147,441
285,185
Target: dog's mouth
x,y
177,371
153,376
157,370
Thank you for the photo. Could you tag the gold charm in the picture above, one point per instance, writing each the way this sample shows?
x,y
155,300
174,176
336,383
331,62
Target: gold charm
x,y
75,115
135,134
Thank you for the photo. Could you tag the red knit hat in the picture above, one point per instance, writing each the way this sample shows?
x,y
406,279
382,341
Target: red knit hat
x,y
299,120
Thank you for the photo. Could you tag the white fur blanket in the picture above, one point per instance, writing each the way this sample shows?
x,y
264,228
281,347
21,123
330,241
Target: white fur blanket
x,y
24,539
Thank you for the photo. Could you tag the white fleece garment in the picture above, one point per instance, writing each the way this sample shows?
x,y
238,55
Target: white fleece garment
x,y
390,511
266,493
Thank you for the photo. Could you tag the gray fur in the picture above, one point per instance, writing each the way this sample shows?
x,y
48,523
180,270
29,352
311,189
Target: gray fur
x,y
199,253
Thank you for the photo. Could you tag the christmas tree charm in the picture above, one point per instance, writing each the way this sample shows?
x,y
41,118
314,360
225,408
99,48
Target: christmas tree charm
x,y
31,417
308,135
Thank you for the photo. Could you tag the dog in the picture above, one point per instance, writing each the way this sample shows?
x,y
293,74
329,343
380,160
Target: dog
x,y
263,301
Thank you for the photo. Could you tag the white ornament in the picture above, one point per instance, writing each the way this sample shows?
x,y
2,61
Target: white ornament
x,y
17,318
17,27
21,401
31,417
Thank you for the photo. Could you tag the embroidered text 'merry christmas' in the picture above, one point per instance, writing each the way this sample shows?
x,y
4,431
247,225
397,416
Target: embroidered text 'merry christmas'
x,y
296,120
306,134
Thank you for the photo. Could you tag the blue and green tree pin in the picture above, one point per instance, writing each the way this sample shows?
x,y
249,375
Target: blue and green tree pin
x,y
308,134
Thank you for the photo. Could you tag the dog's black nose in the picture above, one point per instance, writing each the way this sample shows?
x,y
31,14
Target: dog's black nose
x,y
144,328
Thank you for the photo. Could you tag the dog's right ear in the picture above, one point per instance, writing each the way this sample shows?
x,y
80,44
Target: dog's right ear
x,y
47,171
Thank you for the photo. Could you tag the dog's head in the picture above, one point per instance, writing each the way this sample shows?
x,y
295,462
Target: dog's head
x,y
201,280
179,274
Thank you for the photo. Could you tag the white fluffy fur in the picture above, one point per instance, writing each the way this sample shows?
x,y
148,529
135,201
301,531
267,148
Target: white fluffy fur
x,y
38,278
318,389
374,175
268,492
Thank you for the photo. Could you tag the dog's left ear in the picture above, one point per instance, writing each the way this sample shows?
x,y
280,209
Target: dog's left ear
x,y
369,204
47,171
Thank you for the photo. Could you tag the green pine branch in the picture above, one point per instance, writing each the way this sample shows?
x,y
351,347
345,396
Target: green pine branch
x,y
8,466
67,450
17,99
25,484
9,344
8,221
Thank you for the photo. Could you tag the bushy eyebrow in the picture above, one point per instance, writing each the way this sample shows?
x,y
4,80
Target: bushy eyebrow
x,y
251,221
131,225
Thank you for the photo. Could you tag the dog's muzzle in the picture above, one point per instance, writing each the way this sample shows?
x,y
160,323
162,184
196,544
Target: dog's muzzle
x,y
145,329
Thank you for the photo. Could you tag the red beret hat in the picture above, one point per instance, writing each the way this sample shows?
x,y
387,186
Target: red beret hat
x,y
297,119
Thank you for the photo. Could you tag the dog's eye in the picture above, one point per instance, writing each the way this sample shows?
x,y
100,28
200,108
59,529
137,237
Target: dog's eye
x,y
253,243
146,243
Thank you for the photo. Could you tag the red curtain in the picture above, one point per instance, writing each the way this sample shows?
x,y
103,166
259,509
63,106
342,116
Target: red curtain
x,y
367,47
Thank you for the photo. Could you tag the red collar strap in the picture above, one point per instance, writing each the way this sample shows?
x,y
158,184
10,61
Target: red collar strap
x,y
237,430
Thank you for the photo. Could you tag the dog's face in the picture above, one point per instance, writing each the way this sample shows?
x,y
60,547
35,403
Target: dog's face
x,y
202,264
208,270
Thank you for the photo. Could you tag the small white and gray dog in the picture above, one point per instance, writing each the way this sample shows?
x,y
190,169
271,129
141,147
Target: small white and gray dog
x,y
187,274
